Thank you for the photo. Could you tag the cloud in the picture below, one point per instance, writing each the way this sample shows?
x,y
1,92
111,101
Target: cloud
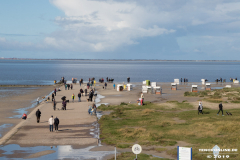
x,y
103,25
99,26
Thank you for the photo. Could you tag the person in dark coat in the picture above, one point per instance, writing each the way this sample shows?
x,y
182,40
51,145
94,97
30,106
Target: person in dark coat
x,y
56,123
68,86
105,85
81,91
71,86
54,104
64,105
220,108
52,96
55,91
90,95
38,115
79,97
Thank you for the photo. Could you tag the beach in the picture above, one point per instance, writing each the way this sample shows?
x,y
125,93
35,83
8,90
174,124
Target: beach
x,y
79,130
18,99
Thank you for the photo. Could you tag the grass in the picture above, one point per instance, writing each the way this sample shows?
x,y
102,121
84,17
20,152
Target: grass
x,y
215,96
154,124
123,145
131,156
160,149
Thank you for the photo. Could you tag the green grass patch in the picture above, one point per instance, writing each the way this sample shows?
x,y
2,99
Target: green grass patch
x,y
154,124
123,145
131,156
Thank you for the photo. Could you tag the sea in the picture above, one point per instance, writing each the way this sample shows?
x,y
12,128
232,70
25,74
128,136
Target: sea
x,y
44,72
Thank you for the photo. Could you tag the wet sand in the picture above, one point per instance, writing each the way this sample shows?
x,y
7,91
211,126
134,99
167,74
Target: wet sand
x,y
13,99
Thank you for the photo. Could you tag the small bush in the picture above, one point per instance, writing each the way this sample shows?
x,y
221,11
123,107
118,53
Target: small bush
x,y
191,94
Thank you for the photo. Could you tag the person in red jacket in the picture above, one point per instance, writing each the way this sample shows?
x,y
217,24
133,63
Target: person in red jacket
x,y
24,116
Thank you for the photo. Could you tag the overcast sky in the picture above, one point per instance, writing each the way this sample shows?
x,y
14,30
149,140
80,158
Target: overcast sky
x,y
120,29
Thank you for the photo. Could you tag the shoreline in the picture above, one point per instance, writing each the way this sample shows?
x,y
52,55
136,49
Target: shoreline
x,y
18,100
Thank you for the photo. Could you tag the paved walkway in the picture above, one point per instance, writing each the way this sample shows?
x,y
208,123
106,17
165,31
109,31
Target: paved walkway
x,y
74,127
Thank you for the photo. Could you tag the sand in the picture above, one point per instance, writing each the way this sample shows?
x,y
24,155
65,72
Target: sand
x,y
21,97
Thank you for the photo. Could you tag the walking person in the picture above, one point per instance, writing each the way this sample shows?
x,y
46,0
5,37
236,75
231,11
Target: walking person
x,y
79,97
55,91
56,123
90,95
64,105
38,115
105,85
65,86
80,82
220,108
71,86
51,122
142,97
68,85
114,85
200,108
52,96
38,101
73,97
54,104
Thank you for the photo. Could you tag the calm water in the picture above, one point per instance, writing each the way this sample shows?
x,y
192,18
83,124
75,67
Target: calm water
x,y
36,72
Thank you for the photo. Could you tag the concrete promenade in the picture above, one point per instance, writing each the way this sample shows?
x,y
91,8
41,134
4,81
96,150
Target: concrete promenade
x,y
74,127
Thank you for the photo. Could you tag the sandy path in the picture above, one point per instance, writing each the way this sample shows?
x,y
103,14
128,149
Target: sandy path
x,y
74,127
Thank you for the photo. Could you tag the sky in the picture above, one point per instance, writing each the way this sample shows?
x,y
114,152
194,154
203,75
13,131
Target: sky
x,y
120,29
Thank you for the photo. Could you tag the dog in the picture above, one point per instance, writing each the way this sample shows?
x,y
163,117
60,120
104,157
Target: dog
x,y
229,114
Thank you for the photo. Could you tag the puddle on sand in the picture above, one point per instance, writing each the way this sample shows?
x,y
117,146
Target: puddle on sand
x,y
20,111
2,127
217,88
61,152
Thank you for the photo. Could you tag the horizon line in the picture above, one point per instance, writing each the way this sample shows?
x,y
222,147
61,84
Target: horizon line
x,y
2,58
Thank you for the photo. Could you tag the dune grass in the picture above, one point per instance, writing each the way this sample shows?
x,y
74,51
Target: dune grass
x,y
216,96
131,156
154,124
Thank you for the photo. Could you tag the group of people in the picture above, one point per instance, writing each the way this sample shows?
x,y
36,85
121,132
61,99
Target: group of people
x,y
54,122
89,84
200,108
184,80
109,79
67,86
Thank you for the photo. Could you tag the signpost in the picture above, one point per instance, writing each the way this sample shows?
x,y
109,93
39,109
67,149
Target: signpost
x,y
184,153
216,150
136,149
